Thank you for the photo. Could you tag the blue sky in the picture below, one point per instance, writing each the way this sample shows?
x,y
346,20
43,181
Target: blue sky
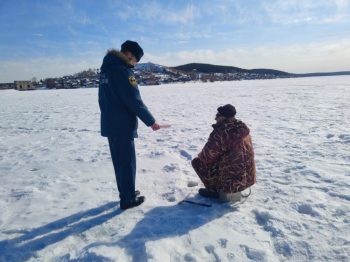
x,y
53,38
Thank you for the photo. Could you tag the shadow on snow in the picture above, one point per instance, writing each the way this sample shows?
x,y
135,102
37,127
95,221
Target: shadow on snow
x,y
24,247
163,222
158,223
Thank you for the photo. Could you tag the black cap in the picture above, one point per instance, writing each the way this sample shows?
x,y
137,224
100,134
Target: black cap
x,y
227,110
134,48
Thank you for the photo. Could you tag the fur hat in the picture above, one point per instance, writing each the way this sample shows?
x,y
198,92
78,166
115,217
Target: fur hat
x,y
227,110
134,48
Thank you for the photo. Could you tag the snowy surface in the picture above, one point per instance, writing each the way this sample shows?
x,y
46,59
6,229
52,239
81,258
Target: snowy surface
x,y
58,196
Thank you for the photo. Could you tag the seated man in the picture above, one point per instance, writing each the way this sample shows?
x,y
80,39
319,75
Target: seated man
x,y
226,164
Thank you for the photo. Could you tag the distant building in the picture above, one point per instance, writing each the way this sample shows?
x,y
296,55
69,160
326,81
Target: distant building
x,y
24,85
6,86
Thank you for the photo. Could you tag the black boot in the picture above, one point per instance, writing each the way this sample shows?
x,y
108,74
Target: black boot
x,y
134,203
208,193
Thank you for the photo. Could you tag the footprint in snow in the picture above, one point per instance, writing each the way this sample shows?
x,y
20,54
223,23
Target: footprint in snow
x,y
307,210
211,250
170,168
345,138
265,220
189,258
330,136
254,254
185,154
170,197
223,242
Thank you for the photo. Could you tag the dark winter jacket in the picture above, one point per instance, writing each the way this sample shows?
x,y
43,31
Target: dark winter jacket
x,y
119,98
228,157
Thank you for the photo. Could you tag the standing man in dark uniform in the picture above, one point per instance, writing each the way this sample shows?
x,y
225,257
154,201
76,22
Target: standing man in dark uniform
x,y
121,104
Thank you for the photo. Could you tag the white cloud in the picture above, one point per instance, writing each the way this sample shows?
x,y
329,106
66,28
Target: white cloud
x,y
46,67
183,16
152,11
307,11
314,57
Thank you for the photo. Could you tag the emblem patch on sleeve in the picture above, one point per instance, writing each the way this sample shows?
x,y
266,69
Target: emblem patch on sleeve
x,y
133,81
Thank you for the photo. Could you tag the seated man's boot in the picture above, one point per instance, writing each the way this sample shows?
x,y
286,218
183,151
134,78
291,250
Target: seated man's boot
x,y
230,197
134,203
208,193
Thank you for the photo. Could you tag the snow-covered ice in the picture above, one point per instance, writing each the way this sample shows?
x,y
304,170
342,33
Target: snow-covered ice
x,y
59,200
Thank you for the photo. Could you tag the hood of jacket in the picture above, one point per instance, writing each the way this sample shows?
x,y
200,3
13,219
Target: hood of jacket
x,y
234,125
115,57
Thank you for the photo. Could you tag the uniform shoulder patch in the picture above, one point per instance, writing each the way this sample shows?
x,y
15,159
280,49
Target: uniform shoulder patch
x,y
133,81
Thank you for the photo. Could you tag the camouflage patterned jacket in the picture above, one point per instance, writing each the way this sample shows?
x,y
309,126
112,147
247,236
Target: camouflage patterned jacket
x,y
227,160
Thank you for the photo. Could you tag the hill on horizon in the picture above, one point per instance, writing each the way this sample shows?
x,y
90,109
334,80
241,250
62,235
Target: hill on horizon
x,y
209,68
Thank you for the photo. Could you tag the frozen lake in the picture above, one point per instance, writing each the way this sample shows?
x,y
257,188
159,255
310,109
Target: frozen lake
x,y
59,200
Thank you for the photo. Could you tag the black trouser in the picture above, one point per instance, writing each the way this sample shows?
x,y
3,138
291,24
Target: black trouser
x,y
124,162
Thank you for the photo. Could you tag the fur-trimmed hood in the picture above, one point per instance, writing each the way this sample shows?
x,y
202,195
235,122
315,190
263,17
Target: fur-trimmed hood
x,y
115,57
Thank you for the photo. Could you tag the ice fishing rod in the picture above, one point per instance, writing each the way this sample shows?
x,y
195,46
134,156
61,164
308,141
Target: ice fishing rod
x,y
194,203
